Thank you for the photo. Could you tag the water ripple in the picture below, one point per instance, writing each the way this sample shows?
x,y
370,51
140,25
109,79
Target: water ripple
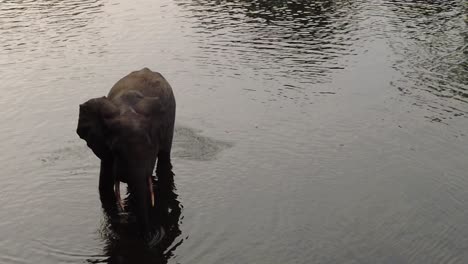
x,y
57,24
430,38
276,39
326,164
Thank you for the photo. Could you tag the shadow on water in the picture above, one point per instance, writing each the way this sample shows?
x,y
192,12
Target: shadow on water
x,y
123,245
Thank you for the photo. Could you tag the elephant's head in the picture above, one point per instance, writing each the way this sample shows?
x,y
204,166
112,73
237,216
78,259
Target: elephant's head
x,y
125,138
110,131
93,127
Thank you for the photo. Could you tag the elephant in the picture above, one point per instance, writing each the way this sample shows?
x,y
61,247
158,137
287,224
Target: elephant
x,y
129,130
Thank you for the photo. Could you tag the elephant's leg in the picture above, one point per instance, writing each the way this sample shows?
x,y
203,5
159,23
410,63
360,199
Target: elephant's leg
x,y
164,152
106,189
139,188
165,174
164,161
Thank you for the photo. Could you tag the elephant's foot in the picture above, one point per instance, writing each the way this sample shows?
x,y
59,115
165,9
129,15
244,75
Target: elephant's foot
x,y
118,199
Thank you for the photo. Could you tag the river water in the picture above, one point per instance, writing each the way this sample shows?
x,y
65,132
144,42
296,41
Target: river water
x,y
306,131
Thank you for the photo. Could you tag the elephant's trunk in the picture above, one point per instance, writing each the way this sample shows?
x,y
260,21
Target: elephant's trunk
x,y
141,188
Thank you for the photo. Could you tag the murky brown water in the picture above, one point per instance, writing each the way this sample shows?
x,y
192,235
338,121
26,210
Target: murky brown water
x,y
307,131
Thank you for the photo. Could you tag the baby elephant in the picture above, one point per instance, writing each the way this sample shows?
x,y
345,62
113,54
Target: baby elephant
x,y
129,130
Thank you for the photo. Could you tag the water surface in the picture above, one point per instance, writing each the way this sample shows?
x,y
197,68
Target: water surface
x,y
307,131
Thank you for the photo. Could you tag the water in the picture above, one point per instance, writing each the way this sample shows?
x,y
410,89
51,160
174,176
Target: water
x,y
307,131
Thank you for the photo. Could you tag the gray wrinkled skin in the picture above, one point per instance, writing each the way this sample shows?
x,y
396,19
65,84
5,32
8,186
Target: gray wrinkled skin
x,y
129,130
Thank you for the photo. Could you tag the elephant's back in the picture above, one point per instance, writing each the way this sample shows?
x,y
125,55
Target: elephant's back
x,y
145,81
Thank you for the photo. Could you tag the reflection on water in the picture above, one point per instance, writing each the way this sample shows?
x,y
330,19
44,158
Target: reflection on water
x,y
431,40
300,43
276,40
123,245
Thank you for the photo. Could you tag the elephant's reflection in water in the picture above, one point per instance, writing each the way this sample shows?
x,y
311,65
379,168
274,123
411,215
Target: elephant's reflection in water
x,y
120,231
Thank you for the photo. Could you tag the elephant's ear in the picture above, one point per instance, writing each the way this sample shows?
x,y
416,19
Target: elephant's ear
x,y
150,106
91,125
